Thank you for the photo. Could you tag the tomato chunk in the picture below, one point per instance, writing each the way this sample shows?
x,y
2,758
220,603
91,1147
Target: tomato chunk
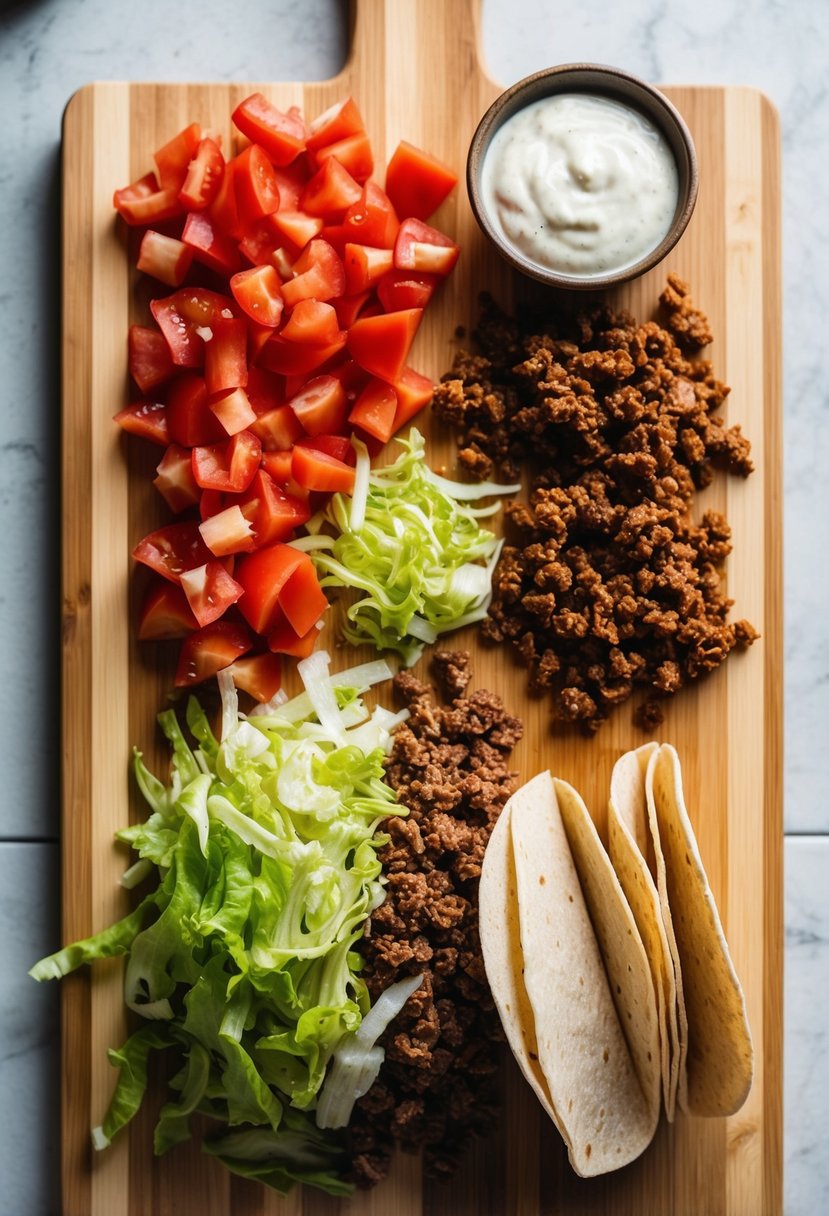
x,y
172,550
372,220
259,675
282,136
210,591
164,258
315,470
321,406
336,123
297,227
416,182
258,292
209,650
331,191
209,244
401,289
413,393
353,153
262,575
174,479
424,249
257,189
226,356
228,467
303,600
365,266
284,639
312,322
148,419
227,531
149,357
173,158
189,418
204,176
375,410
381,344
165,614
233,410
318,272
183,314
144,202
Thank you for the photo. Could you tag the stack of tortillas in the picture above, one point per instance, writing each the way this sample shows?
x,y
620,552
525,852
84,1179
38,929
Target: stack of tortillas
x,y
610,971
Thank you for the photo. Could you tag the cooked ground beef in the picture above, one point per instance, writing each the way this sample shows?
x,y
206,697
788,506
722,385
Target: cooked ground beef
x,y
610,586
437,1086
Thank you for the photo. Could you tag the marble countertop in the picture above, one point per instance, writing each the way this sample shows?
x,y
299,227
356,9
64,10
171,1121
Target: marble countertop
x,y
48,48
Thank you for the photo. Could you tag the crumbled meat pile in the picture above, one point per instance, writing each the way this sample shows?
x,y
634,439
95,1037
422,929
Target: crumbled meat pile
x,y
437,1086
611,586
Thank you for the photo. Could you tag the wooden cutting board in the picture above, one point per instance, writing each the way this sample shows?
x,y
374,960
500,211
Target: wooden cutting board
x,y
415,71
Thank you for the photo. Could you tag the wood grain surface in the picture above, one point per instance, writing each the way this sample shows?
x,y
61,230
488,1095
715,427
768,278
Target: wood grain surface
x,y
414,69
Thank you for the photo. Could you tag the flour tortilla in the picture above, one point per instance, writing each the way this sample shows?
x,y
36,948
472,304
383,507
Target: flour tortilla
x,y
625,961
596,1100
720,1058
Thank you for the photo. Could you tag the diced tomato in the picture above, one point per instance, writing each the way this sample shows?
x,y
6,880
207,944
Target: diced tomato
x,y
292,358
143,202
352,377
316,470
348,308
365,266
292,180
284,639
174,157
149,358
257,190
227,531
277,465
416,182
258,338
321,406
229,467
413,393
210,591
423,249
277,429
259,675
180,316
147,419
209,650
204,176
330,192
297,227
375,410
312,322
233,410
282,136
381,344
174,479
336,123
318,273
226,356
209,244
353,153
272,514
164,258
189,419
265,390
224,207
303,600
165,614
338,446
258,292
262,575
371,220
336,236
400,289
211,503
172,549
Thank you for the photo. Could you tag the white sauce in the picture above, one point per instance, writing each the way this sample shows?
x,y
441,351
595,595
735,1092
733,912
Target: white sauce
x,y
580,184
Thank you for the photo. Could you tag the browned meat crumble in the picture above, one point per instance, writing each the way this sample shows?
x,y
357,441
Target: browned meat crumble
x,y
610,586
437,1087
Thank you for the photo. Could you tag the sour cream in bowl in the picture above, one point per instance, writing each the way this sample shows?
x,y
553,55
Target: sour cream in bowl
x,y
583,176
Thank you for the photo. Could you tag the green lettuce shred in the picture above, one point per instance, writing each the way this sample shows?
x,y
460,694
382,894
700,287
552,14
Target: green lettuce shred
x,y
240,960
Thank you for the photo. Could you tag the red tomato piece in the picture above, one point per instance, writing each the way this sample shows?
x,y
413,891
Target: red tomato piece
x,y
259,675
272,514
330,192
278,429
210,591
282,136
147,419
209,244
365,266
164,258
423,249
173,549
233,410
372,220
174,157
381,344
262,575
258,292
401,289
413,393
316,470
293,359
224,208
375,410
353,153
265,390
229,467
292,180
318,273
165,614
227,531
302,600
335,235
338,446
278,465
204,176
209,650
297,227
189,420
321,406
312,322
174,479
257,189
416,182
180,316
149,357
336,123
348,308
226,356
284,639
211,503
143,202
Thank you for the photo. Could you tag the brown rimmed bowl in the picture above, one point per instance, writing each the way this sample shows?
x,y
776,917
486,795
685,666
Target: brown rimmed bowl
x,y
607,82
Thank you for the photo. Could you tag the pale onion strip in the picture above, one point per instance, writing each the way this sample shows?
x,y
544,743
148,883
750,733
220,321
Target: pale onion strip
x,y
230,704
136,873
467,491
314,673
359,495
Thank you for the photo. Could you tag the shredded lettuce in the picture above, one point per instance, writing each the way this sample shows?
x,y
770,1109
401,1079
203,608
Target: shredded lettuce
x,y
413,548
241,961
